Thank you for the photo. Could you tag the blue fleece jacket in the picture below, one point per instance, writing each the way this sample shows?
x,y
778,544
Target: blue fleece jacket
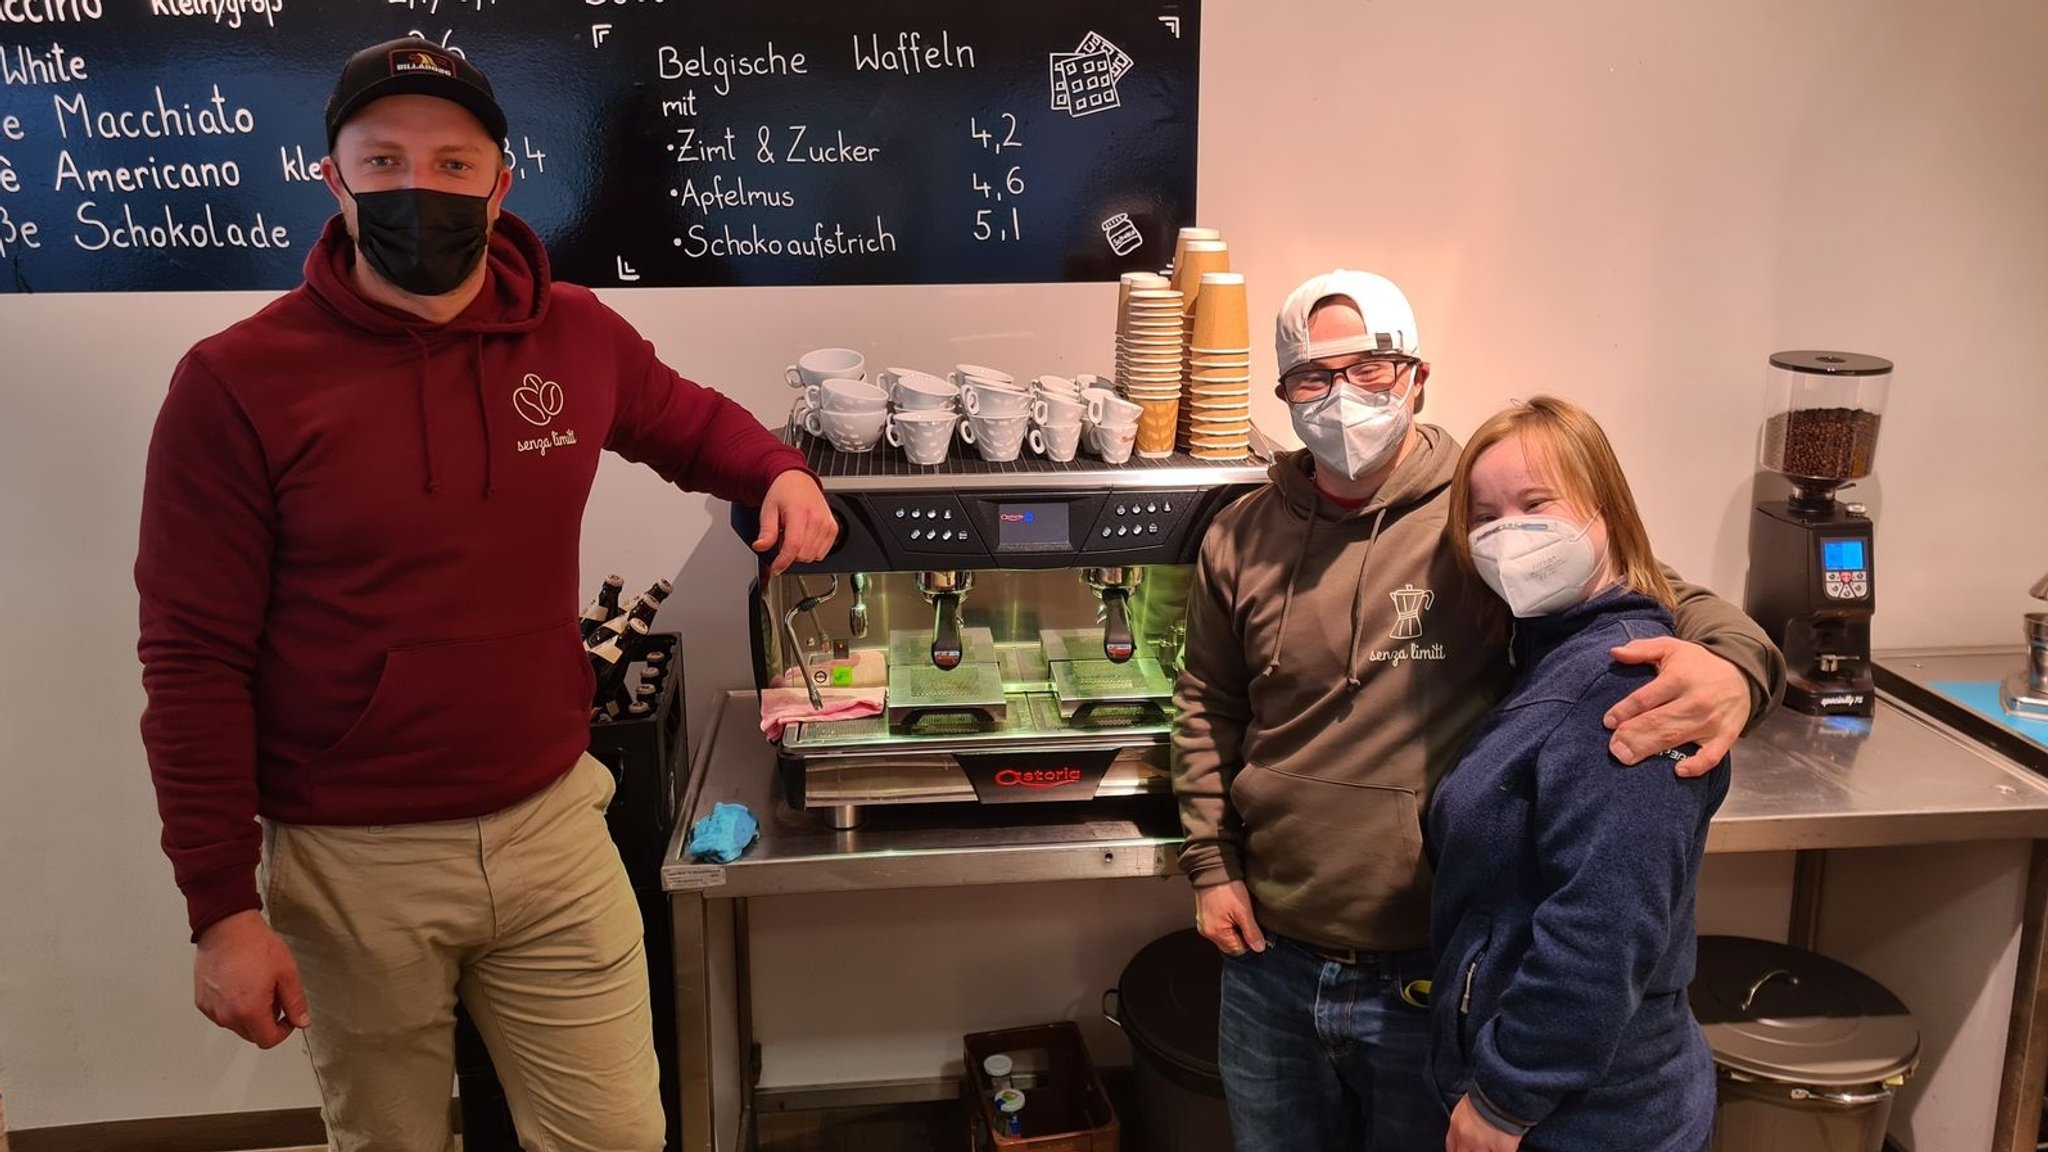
x,y
1563,912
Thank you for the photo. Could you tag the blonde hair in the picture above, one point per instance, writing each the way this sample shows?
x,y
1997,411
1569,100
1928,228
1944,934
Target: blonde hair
x,y
1567,446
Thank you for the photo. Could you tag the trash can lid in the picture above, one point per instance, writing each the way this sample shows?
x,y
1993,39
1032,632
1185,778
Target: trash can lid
x,y
1786,1014
1170,996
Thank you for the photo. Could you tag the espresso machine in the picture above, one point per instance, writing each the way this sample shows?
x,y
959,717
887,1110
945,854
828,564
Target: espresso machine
x,y
1023,622
1813,561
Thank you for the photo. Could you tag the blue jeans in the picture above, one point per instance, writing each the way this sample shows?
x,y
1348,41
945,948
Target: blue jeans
x,y
1320,1056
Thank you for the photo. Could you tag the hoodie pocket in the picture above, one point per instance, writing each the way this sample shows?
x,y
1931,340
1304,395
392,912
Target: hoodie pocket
x,y
464,707
1335,860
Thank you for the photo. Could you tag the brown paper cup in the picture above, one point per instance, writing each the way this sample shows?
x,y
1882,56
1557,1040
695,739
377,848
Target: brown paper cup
x,y
1156,427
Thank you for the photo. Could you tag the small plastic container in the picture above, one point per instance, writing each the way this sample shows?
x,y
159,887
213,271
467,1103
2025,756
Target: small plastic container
x,y
998,1068
1010,1111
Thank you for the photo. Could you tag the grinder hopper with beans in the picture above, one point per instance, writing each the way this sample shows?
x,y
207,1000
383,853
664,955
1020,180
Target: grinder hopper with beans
x,y
1812,561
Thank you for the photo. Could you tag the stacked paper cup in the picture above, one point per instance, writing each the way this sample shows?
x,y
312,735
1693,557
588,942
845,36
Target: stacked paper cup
x,y
1150,361
1148,337
1215,414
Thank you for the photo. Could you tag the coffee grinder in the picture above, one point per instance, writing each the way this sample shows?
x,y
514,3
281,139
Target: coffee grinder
x,y
1812,561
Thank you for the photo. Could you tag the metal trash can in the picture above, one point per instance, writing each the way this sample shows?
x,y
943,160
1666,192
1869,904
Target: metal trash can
x,y
1807,1051
1167,1002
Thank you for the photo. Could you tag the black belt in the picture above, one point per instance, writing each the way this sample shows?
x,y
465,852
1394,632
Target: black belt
x,y
1334,955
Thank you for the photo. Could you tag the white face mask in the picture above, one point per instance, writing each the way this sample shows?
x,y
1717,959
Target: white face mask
x,y
1351,434
1538,564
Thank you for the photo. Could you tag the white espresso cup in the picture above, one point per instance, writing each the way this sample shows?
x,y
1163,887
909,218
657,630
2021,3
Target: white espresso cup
x,y
1058,408
983,400
846,396
925,435
1106,407
1055,384
922,390
822,364
1113,442
848,431
965,374
1057,442
998,438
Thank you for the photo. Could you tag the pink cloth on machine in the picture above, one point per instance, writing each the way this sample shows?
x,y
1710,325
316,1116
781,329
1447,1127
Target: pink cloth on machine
x,y
784,706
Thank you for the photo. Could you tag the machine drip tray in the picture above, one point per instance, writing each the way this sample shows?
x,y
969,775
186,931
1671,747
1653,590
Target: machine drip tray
x,y
1084,685
1028,718
971,689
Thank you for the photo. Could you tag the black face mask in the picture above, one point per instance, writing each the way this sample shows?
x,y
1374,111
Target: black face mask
x,y
425,242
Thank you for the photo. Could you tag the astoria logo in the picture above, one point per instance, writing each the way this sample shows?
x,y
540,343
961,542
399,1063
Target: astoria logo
x,y
1037,777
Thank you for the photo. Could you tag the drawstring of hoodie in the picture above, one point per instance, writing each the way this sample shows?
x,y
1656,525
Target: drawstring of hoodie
x,y
426,432
433,483
1353,677
1354,670
484,410
1287,600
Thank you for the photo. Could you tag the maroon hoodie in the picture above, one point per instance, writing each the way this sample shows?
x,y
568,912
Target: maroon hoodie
x,y
358,558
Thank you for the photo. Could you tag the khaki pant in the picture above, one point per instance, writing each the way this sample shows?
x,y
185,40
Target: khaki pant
x,y
529,915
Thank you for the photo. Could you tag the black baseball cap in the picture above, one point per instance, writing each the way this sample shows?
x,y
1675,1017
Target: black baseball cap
x,y
411,66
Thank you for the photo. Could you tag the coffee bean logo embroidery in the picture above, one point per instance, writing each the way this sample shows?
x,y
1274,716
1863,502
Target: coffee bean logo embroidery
x,y
537,401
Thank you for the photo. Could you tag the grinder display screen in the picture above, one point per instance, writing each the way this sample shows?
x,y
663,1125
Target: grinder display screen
x,y
1842,555
1040,525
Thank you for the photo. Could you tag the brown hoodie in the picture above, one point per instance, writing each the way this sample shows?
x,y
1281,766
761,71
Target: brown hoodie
x,y
1336,661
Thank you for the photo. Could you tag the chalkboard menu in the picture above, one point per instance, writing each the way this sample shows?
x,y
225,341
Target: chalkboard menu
x,y
164,145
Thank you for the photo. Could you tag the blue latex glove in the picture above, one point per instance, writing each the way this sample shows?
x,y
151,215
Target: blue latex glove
x,y
723,835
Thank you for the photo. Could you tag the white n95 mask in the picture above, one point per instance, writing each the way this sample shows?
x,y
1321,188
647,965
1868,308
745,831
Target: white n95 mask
x,y
1538,564
1350,434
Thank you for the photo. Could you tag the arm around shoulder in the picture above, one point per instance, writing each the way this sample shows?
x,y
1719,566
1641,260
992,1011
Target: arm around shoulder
x,y
1728,632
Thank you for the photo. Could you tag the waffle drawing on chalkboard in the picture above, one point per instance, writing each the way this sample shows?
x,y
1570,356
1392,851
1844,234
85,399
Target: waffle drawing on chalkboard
x,y
1084,80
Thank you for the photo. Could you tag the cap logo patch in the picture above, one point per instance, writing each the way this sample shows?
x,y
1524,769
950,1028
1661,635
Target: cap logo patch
x,y
1385,340
412,61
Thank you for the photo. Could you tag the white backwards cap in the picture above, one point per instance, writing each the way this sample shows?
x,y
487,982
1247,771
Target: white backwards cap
x,y
1389,321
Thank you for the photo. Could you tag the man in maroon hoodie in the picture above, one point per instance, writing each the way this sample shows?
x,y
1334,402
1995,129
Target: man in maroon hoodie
x,y
358,577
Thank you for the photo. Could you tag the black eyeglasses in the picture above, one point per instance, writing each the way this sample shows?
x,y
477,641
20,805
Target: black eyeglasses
x,y
1376,375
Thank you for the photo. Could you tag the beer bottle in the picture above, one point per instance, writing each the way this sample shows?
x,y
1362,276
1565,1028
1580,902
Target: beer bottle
x,y
603,608
644,607
615,627
613,656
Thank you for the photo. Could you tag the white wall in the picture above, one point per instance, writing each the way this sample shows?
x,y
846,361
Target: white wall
x,y
1629,201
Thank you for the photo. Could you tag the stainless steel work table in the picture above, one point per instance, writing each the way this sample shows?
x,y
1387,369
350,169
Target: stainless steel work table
x,y
1801,784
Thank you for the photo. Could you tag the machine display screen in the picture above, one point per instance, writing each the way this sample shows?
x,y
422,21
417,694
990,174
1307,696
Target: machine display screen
x,y
1842,555
1036,525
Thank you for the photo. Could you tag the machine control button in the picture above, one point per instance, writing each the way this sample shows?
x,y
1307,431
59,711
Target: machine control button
x,y
1105,531
1122,529
1166,506
1862,587
946,515
1859,574
899,513
1120,510
916,534
961,536
1835,588
1152,528
1152,508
